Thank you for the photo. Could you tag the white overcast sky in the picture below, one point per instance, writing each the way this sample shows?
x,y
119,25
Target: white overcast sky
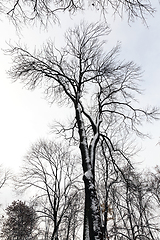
x,y
25,116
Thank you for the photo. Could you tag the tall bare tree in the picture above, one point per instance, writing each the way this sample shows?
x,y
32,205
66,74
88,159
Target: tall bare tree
x,y
99,88
50,173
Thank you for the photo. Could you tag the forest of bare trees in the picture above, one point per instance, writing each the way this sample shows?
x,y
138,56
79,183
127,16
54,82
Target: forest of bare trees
x,y
88,186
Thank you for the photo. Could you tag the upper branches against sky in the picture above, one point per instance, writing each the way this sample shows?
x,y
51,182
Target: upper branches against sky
x,y
101,90
45,11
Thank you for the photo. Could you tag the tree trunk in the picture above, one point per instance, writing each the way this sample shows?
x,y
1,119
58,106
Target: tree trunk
x,y
92,212
86,221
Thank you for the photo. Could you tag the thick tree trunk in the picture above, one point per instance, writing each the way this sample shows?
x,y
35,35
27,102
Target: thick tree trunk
x,y
92,212
86,221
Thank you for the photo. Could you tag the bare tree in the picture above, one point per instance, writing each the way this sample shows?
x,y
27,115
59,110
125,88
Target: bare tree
x,y
4,176
46,11
128,205
99,88
153,182
72,223
49,171
129,199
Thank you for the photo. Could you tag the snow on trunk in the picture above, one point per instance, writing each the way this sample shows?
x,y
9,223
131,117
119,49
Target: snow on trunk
x,y
92,212
92,204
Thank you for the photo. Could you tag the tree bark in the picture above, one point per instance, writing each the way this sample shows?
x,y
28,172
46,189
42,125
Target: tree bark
x,y
92,211
92,219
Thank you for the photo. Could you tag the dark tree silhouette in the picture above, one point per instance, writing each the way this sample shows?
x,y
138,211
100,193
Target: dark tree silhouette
x,y
20,222
99,88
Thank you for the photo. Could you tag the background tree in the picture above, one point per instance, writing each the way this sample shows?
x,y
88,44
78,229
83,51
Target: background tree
x,y
153,182
100,89
50,172
4,176
127,203
20,223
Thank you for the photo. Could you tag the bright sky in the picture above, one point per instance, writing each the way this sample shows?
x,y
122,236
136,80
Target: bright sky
x,y
25,116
